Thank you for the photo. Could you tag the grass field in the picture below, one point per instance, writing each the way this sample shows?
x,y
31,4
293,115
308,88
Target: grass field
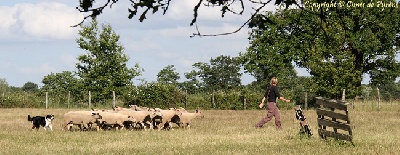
x,y
220,132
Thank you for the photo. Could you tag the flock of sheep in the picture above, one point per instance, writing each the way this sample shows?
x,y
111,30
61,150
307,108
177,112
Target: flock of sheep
x,y
134,117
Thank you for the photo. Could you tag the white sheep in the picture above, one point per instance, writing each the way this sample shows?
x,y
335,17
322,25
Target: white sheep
x,y
186,118
81,118
144,118
115,119
164,122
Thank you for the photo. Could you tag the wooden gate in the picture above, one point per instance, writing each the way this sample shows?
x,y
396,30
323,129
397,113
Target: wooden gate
x,y
334,115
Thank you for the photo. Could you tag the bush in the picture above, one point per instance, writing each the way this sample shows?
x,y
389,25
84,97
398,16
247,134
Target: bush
x,y
199,101
20,99
155,95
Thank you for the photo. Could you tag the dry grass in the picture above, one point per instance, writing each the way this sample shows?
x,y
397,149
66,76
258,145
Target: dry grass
x,y
220,132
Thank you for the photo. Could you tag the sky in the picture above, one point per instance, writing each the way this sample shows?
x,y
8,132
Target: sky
x,y
36,38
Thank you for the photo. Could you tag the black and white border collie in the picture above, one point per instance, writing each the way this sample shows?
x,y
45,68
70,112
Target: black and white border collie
x,y
44,121
304,127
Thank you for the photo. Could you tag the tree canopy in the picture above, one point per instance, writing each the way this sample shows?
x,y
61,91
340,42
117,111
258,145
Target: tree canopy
x,y
223,72
168,75
267,57
62,83
103,68
336,44
30,86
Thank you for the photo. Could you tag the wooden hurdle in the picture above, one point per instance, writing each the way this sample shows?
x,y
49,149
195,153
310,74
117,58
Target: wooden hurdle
x,y
333,114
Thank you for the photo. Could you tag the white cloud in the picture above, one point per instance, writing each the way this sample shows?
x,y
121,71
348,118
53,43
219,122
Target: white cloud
x,y
42,69
48,20
6,20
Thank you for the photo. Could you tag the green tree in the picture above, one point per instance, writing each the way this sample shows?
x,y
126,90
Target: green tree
x,y
225,71
60,85
267,55
168,75
155,95
103,68
193,84
30,86
337,44
222,72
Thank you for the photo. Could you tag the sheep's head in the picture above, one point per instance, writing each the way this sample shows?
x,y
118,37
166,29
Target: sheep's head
x,y
178,112
199,114
96,115
155,112
132,119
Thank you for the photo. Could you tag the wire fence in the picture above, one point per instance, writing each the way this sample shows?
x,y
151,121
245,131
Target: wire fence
x,y
232,100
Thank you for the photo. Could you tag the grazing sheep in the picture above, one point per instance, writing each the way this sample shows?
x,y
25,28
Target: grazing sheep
x,y
186,118
81,118
164,122
144,118
115,119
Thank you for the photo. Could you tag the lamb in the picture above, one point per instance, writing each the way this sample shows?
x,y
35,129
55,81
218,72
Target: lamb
x,y
82,119
186,118
115,119
144,118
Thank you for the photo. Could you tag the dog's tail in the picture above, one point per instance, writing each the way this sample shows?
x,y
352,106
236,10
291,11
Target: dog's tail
x,y
29,118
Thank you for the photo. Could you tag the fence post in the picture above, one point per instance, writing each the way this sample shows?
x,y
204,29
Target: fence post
x,y
244,103
344,95
69,95
379,98
47,99
186,99
212,100
90,96
113,99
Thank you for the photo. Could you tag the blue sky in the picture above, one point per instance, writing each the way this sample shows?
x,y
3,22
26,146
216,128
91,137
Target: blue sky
x,y
36,38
